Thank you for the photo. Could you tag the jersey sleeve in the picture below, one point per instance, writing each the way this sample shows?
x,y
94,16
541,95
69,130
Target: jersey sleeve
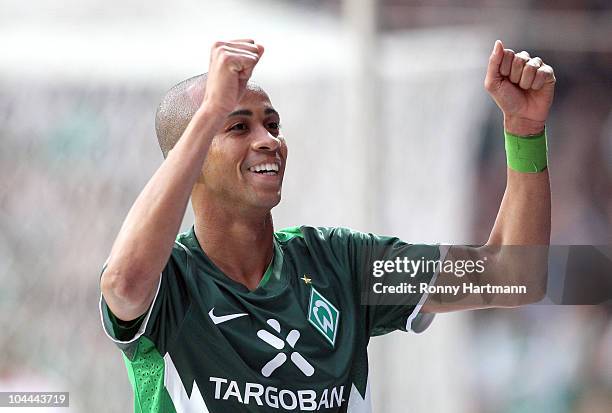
x,y
384,313
165,314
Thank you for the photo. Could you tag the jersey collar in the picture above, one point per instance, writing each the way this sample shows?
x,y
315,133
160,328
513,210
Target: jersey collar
x,y
271,281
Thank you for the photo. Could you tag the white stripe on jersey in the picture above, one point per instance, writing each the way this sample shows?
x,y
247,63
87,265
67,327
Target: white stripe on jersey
x,y
358,404
177,392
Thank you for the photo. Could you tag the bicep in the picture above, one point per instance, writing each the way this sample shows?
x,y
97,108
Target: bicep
x,y
473,278
128,295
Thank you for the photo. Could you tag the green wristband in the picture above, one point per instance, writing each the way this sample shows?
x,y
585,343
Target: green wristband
x,y
526,154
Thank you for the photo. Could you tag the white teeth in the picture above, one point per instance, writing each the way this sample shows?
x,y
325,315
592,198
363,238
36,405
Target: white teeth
x,y
269,167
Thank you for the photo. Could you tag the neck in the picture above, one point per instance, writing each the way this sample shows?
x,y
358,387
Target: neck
x,y
239,244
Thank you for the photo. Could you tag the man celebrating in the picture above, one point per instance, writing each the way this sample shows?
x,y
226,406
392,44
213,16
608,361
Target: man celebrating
x,y
232,316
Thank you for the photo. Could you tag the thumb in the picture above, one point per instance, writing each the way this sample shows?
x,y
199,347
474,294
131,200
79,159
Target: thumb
x,y
497,55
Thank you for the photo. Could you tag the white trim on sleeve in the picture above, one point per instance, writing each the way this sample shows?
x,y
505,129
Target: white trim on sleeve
x,y
143,326
443,252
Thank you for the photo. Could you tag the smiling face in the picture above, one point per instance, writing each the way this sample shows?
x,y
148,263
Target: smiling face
x,y
245,164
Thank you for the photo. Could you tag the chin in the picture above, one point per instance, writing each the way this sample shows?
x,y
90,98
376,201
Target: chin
x,y
272,203
267,201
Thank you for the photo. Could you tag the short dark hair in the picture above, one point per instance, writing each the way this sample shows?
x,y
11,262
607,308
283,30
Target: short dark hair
x,y
176,109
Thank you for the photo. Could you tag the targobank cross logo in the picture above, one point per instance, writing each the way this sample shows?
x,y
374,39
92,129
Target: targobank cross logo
x,y
323,315
280,359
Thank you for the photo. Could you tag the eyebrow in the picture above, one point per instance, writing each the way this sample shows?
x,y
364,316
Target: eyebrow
x,y
271,111
246,112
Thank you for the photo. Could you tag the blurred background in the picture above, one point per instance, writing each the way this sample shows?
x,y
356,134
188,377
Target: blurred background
x,y
389,128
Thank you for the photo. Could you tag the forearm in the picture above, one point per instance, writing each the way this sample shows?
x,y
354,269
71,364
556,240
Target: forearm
x,y
145,240
524,214
521,233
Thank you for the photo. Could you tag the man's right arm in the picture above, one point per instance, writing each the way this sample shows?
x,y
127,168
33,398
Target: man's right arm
x,y
147,235
144,243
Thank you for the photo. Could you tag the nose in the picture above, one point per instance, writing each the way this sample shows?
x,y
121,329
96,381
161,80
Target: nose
x,y
265,141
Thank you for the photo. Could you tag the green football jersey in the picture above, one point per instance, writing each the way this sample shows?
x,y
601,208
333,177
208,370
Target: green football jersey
x,y
298,342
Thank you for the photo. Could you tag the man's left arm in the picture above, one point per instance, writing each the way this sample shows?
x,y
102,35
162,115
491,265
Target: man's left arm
x,y
516,252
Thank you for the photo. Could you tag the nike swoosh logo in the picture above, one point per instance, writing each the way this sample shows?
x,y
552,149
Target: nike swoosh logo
x,y
223,318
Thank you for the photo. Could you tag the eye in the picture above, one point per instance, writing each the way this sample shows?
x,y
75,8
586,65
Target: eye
x,y
239,127
274,128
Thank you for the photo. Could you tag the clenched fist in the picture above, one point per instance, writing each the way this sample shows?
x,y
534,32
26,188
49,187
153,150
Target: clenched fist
x,y
523,88
231,66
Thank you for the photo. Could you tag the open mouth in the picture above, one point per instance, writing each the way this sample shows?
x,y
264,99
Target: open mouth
x,y
265,169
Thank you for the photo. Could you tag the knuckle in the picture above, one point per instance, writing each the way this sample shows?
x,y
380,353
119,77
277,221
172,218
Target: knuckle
x,y
536,61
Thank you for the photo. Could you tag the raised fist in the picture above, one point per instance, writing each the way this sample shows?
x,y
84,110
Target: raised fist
x,y
523,88
231,65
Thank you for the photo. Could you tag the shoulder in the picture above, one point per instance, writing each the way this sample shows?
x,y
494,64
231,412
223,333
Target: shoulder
x,y
312,234
184,243
184,253
333,243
